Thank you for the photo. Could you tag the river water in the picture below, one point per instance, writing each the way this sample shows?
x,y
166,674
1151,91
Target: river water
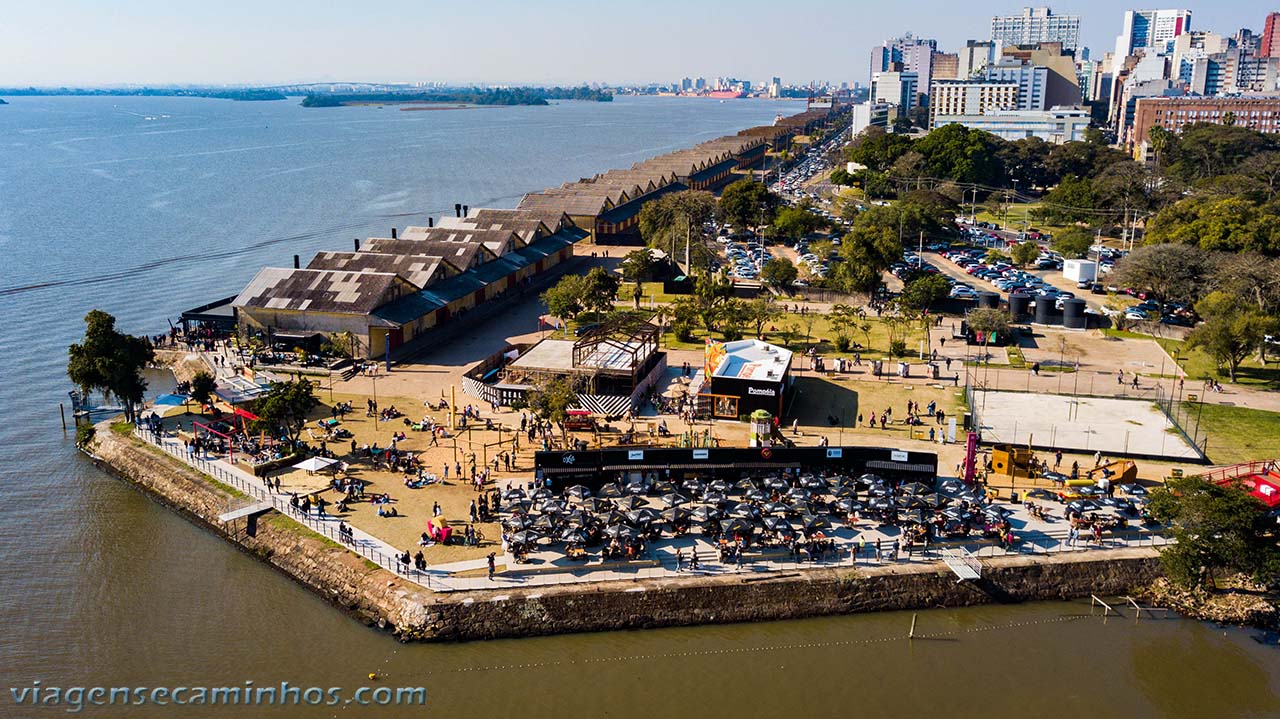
x,y
146,206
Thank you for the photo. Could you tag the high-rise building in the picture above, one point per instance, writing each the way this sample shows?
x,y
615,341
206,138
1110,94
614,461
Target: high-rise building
x,y
970,97
1271,36
1036,25
1031,81
1148,30
976,55
899,88
906,54
1058,125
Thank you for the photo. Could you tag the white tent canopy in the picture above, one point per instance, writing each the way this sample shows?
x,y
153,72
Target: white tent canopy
x,y
315,464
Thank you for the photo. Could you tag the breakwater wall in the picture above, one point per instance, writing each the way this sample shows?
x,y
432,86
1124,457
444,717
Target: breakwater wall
x,y
412,613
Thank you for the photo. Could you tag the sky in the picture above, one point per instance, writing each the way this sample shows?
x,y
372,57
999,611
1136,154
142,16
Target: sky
x,y
109,42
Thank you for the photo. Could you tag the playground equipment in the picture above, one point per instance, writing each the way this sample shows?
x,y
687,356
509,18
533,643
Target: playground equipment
x,y
1012,461
1119,471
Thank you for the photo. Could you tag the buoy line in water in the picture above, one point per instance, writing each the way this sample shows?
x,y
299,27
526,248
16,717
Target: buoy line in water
x,y
752,650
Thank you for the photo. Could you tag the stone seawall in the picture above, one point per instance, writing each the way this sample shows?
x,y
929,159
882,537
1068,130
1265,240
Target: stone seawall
x,y
379,598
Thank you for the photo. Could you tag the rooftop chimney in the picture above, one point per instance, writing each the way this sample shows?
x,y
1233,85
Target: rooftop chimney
x,y
431,222
465,210
357,243
457,209
296,262
393,233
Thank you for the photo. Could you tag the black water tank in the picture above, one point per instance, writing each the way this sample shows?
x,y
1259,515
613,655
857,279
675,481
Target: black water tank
x,y
1046,313
1019,306
988,300
1073,315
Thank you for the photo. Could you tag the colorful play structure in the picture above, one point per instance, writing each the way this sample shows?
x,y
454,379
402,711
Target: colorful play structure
x,y
1260,479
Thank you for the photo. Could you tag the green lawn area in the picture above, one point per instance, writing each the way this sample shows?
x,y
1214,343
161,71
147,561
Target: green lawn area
x,y
1199,365
813,330
1018,213
1236,434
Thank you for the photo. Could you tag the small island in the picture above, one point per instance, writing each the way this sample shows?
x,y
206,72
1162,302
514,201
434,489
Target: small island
x,y
474,97
247,94
2,102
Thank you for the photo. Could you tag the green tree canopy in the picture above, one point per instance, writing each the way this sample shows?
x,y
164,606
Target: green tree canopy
x,y
963,154
1024,253
674,223
1231,330
202,386
747,203
1207,149
285,407
599,290
1073,242
110,362
1217,528
1073,200
552,399
796,222
926,289
566,298
876,149
779,273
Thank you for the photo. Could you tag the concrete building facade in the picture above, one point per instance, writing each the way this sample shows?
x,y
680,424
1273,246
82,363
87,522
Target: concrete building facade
x,y
1036,25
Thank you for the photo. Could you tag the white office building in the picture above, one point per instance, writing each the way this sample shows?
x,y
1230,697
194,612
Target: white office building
x,y
1036,25
1150,31
1058,125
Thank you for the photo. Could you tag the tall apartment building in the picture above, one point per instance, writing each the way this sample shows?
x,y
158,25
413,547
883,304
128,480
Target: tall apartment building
x,y
1270,46
1149,30
1036,25
906,54
1031,81
975,56
898,88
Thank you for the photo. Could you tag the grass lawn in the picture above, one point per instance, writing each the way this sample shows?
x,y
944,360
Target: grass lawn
x,y
1199,365
1237,434
814,330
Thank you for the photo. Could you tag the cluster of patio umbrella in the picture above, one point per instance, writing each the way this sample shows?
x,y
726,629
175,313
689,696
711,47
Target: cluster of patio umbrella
x,y
799,506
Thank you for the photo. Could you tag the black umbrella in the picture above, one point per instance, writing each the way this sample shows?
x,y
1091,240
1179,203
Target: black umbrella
x,y
917,502
577,518
755,495
578,491
714,497
543,493
593,504
870,479
813,483
634,488
554,507
544,524
610,490
674,500
849,506
615,517
914,488
847,491
777,483
518,521
664,488
573,536
704,514
525,537
739,525
951,486
644,515
630,502
815,522
1040,494
743,510
519,505
719,485
694,485
745,485
675,514
776,524
620,531
513,493
776,508
911,516
881,503
799,494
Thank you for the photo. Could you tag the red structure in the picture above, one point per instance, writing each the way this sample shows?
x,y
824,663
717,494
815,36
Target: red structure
x,y
1271,43
1260,479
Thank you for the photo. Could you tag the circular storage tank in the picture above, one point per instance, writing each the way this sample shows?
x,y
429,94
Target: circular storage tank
x,y
1046,313
1073,316
988,300
1019,306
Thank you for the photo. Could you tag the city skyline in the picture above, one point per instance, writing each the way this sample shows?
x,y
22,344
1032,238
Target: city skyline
x,y
83,43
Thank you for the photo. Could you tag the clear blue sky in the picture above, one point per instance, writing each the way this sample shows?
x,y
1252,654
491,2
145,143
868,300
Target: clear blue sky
x,y
97,42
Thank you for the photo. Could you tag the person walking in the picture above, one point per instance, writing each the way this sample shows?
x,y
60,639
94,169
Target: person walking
x,y
679,560
492,565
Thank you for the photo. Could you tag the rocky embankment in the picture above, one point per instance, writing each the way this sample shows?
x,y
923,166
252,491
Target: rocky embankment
x,y
1237,602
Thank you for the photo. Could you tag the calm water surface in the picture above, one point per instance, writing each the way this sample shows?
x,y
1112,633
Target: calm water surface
x,y
146,206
